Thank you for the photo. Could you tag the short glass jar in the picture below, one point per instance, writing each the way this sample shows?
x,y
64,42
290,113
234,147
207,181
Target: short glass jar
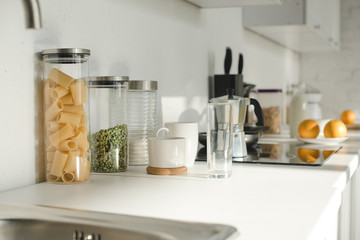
x,y
108,128
65,104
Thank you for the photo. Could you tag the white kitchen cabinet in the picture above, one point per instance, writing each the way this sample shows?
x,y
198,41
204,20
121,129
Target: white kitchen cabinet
x,y
302,25
232,3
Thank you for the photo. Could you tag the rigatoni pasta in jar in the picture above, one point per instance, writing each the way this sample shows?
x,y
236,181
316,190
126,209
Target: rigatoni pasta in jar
x,y
66,123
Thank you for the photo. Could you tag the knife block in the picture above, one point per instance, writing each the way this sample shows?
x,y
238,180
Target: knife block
x,y
219,84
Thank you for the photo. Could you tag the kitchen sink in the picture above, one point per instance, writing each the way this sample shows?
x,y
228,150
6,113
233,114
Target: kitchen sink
x,y
29,229
64,224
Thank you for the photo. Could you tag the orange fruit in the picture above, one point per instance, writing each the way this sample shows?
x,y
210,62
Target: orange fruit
x,y
348,117
308,155
308,129
335,129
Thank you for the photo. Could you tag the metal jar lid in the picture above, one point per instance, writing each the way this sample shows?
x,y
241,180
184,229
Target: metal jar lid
x,y
270,90
145,85
65,51
108,81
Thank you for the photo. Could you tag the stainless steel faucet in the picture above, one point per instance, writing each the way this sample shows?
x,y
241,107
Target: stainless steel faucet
x,y
33,14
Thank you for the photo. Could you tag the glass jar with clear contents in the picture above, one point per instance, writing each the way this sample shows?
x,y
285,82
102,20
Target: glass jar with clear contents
x,y
65,105
108,118
143,119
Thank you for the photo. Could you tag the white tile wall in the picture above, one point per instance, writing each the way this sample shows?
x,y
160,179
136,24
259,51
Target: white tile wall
x,y
337,73
170,41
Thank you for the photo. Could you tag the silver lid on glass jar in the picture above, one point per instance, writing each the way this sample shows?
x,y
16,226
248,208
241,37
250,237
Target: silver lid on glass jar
x,y
109,78
145,85
108,81
81,51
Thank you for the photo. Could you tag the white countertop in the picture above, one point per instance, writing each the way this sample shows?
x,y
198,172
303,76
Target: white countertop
x,y
261,201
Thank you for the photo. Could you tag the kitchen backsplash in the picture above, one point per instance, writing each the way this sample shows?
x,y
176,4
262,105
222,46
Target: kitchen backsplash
x,y
170,41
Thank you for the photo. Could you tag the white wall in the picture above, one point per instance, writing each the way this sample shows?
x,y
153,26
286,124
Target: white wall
x,y
170,41
337,73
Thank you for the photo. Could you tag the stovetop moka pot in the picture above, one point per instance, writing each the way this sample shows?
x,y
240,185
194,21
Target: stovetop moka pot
x,y
239,112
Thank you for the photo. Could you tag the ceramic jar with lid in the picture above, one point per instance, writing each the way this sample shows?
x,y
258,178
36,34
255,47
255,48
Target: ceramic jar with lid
x,y
299,111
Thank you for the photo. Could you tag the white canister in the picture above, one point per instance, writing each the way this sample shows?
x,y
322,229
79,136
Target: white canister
x,y
314,107
298,112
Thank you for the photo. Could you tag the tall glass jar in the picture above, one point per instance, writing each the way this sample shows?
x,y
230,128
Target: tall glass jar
x,y
66,123
143,119
108,117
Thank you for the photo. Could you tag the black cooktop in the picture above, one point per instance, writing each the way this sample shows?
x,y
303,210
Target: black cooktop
x,y
284,153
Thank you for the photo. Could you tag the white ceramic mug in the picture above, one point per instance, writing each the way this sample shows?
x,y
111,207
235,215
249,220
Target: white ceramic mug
x,y
189,131
166,152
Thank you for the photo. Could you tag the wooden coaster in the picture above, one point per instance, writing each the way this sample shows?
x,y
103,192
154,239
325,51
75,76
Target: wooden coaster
x,y
166,171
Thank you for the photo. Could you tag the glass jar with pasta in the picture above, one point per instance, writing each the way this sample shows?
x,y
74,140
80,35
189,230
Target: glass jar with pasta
x,y
108,117
66,71
272,104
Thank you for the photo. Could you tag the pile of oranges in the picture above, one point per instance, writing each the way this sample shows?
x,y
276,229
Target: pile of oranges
x,y
309,128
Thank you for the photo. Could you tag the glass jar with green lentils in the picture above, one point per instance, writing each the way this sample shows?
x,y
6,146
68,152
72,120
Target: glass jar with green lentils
x,y
108,124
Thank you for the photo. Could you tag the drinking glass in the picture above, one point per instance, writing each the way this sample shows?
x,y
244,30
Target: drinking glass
x,y
219,140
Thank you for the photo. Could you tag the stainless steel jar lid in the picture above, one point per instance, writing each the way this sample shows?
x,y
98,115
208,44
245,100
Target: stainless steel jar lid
x,y
108,81
145,85
109,78
59,51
